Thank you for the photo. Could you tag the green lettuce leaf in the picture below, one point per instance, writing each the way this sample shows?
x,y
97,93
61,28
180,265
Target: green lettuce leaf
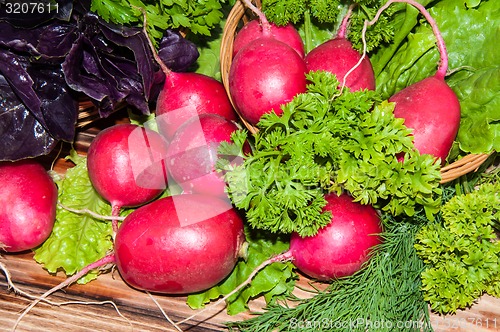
x,y
480,124
274,281
77,240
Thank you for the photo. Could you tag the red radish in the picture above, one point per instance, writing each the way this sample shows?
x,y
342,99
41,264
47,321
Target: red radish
x,y
253,30
429,107
185,95
192,154
338,57
126,165
27,205
343,246
179,244
265,74
432,109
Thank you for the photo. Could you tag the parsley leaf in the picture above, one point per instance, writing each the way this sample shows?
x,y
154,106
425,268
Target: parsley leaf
x,y
461,250
197,16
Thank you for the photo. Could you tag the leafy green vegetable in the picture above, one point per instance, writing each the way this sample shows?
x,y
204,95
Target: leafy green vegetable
x,y
328,14
470,35
197,16
325,142
77,240
384,296
274,281
479,94
462,251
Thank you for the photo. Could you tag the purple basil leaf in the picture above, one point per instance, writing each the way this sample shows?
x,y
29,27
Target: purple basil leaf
x,y
176,52
112,65
21,135
56,39
13,68
59,107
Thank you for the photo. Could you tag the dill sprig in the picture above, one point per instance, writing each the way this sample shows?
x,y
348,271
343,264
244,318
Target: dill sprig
x,y
384,296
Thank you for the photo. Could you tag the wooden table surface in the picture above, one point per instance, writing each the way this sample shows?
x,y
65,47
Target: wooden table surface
x,y
141,313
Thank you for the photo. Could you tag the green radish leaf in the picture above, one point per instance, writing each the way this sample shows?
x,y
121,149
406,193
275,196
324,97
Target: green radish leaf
x,y
77,240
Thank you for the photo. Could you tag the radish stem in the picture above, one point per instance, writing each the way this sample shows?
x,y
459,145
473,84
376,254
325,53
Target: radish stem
x,y
284,257
91,213
342,33
266,27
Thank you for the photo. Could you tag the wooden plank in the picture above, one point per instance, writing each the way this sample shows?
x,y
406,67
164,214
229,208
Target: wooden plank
x,y
141,312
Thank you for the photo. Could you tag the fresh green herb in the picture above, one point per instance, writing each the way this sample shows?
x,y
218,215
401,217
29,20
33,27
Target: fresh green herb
x,y
328,142
329,14
462,251
273,282
384,296
197,16
77,240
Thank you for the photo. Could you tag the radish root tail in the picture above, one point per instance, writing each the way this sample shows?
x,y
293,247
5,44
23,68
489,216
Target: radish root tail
x,y
108,259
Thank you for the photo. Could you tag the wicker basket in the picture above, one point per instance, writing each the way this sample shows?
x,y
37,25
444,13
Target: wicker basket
x,y
239,16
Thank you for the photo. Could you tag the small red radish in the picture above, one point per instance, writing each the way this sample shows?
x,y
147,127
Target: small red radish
x,y
179,244
265,74
192,154
253,30
126,165
338,57
343,246
27,205
429,107
185,95
432,109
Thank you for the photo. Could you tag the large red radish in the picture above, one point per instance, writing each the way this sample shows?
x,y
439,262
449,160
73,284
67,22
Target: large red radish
x,y
192,154
338,57
126,165
27,205
179,244
187,94
254,29
432,109
264,75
